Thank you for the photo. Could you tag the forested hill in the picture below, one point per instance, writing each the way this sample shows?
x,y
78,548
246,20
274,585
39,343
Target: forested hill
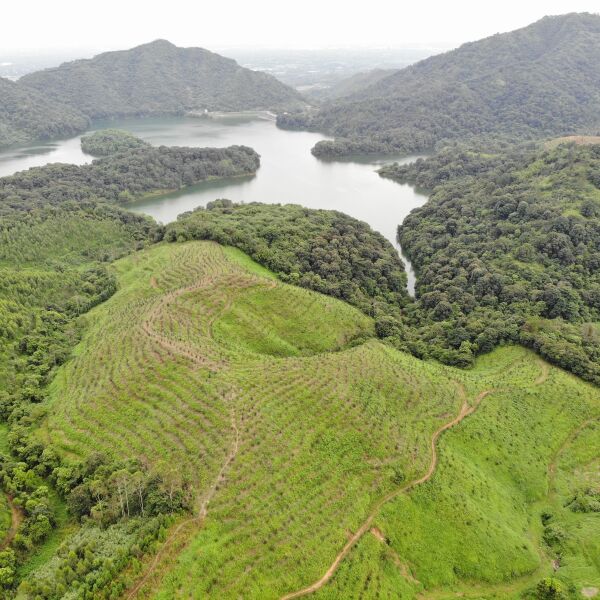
x,y
351,85
323,250
27,115
160,78
123,177
508,249
537,81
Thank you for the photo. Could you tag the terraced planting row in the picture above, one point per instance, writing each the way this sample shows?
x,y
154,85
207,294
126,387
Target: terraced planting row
x,y
477,529
289,436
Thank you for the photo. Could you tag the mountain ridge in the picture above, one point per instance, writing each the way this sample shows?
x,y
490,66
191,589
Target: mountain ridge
x,y
26,115
160,78
533,82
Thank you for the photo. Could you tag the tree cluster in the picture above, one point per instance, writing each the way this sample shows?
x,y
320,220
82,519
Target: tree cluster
x,y
27,115
508,249
323,250
110,141
123,177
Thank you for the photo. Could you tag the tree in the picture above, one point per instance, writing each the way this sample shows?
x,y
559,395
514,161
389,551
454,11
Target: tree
x,y
550,589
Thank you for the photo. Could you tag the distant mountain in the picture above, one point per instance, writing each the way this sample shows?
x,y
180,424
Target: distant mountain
x,y
540,80
26,115
353,84
160,78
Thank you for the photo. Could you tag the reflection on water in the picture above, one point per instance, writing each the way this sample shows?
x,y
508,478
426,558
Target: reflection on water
x,y
288,173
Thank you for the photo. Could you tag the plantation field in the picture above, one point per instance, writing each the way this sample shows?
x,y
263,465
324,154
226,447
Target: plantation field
x,y
476,529
294,430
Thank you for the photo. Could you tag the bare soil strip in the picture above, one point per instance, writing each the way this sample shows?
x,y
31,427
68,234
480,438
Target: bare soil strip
x,y
17,517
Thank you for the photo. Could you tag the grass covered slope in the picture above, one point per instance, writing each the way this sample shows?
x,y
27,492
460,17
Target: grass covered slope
x,y
307,428
494,521
285,439
537,81
27,115
160,78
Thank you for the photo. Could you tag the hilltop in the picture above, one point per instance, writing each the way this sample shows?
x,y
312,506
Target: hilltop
x,y
27,115
534,82
160,78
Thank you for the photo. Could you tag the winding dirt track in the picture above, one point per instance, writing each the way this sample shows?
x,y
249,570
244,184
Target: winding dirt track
x,y
17,517
545,371
465,411
201,513
178,348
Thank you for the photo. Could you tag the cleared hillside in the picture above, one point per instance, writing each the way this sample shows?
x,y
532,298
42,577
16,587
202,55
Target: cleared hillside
x,y
160,78
285,439
533,82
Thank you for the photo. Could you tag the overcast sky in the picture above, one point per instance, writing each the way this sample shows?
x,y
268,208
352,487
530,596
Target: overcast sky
x,y
111,24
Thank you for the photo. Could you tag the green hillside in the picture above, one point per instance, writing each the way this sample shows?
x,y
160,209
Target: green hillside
x,y
247,403
281,441
508,248
159,78
533,82
351,85
27,115
123,177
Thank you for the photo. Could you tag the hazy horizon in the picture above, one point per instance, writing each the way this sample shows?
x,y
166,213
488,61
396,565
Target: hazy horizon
x,y
264,26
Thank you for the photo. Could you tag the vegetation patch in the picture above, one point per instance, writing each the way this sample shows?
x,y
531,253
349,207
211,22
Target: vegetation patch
x,y
507,249
110,141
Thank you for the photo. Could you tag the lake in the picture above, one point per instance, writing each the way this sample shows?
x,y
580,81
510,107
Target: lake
x,y
289,173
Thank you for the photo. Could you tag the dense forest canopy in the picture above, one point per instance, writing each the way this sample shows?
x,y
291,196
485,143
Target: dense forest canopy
x,y
27,115
53,269
323,250
110,141
508,248
125,176
537,81
159,78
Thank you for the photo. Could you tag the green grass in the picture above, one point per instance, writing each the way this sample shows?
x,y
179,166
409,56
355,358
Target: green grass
x,y
63,528
475,528
198,337
274,321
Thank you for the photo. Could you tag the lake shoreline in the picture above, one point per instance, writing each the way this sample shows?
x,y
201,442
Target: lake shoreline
x,y
288,174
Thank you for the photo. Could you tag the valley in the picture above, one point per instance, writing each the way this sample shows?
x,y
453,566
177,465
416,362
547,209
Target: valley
x,y
289,174
339,340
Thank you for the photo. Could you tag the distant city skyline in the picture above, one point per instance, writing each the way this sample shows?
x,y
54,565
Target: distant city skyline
x,y
67,25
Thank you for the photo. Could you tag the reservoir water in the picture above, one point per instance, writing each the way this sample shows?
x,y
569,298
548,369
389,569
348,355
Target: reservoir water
x,y
289,173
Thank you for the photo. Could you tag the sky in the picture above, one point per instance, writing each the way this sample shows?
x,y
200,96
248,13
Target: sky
x,y
42,25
